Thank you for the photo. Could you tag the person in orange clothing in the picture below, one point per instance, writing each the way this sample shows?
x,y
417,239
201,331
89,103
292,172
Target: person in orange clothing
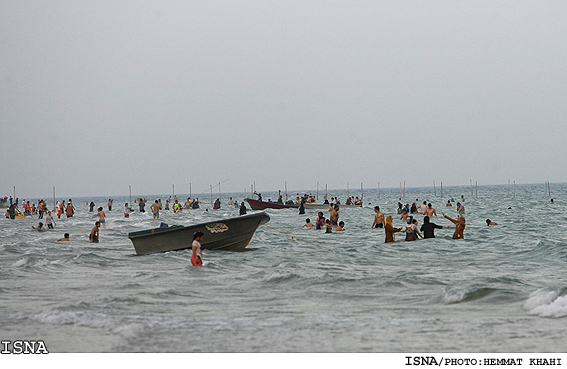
x,y
390,230
459,226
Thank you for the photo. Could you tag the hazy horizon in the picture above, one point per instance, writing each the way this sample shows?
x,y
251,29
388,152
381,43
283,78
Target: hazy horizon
x,y
353,191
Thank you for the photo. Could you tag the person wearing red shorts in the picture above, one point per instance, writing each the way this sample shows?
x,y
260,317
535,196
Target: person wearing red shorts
x,y
197,257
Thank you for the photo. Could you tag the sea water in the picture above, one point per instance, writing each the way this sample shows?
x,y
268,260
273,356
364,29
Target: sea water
x,y
501,289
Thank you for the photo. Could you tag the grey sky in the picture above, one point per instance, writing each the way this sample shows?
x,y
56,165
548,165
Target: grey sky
x,y
99,95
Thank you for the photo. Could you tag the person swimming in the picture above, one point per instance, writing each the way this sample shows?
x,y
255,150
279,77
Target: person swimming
x,y
308,223
65,238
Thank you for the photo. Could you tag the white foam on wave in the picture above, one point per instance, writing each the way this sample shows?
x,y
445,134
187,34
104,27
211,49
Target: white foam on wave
x,y
453,297
277,276
546,304
19,263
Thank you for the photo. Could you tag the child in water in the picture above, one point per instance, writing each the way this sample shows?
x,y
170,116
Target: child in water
x,y
329,227
93,237
197,256
39,227
341,227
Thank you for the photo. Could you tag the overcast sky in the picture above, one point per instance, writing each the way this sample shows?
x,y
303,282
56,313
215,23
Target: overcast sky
x,y
99,95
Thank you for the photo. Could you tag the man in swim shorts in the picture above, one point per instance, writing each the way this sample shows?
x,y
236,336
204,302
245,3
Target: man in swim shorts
x,y
334,216
378,218
155,209
101,216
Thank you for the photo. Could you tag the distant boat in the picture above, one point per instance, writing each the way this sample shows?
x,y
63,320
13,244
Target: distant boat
x,y
231,234
261,205
327,206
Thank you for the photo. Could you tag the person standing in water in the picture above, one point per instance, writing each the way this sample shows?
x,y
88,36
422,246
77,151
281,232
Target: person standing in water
x,y
412,233
334,215
101,216
70,210
93,237
459,226
430,211
197,256
378,218
428,228
390,230
155,209
58,210
49,220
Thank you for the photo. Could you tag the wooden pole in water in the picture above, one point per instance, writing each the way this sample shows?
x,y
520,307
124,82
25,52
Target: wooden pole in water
x,y
400,189
508,187
15,194
326,191
547,189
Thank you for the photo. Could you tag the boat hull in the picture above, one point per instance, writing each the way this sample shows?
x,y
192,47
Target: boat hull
x,y
262,205
232,234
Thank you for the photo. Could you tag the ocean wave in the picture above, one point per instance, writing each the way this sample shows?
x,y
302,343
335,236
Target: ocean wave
x,y
452,296
546,304
32,262
278,277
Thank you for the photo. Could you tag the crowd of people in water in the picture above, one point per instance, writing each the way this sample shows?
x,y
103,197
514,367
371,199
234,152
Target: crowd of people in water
x,y
68,210
407,213
385,222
